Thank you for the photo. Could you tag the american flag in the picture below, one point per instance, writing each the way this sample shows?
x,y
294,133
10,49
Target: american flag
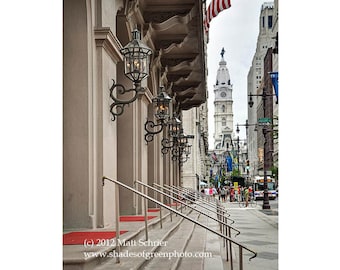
x,y
215,7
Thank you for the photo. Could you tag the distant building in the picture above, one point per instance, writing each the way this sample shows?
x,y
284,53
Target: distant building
x,y
256,75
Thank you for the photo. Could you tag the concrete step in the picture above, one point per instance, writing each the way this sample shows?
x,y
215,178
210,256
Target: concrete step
x,y
176,238
214,245
136,251
87,258
175,247
195,246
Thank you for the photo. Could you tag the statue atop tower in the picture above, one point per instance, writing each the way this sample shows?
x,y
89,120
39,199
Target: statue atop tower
x,y
222,52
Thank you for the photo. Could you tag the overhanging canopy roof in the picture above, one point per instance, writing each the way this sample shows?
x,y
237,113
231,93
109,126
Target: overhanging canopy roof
x,y
174,28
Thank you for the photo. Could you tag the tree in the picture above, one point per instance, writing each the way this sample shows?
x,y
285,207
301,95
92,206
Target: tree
x,y
235,172
275,172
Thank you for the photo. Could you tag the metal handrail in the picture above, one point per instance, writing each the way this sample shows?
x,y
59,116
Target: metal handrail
x,y
203,206
180,189
204,201
220,213
240,246
220,209
207,201
188,205
201,196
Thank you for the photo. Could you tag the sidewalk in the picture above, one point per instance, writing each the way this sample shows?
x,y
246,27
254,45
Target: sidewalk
x,y
259,232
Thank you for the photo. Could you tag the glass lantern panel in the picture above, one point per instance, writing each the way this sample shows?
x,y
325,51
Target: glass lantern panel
x,y
136,65
162,111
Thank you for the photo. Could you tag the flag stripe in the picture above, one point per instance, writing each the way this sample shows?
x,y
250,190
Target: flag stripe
x,y
214,8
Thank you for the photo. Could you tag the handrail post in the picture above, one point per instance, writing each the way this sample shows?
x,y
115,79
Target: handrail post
x,y
179,196
225,242
231,252
172,194
160,217
117,222
171,201
240,258
145,215
219,216
223,220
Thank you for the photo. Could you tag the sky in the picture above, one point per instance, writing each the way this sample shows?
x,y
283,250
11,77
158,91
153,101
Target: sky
x,y
236,29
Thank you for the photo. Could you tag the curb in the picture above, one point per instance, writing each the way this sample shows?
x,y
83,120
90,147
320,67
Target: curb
x,y
264,217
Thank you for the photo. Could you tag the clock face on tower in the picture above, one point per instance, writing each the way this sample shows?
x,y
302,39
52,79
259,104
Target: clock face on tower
x,y
223,94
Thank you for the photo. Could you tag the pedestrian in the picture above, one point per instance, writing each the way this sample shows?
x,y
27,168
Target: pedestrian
x,y
214,191
223,191
250,190
239,193
232,194
246,195
242,193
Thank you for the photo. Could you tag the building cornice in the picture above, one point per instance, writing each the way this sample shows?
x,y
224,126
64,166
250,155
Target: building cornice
x,y
106,39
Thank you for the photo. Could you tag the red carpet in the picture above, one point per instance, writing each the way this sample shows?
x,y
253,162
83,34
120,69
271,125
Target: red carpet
x,y
153,210
78,238
173,204
134,218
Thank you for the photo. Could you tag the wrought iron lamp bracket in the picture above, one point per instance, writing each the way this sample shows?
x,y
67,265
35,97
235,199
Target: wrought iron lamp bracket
x,y
167,145
117,106
149,125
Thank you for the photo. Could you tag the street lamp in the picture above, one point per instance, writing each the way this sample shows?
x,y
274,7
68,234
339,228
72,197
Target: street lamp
x,y
136,68
245,125
238,131
264,96
238,154
162,104
174,127
181,146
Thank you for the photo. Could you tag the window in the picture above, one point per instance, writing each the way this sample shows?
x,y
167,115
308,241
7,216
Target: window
x,y
262,22
223,109
270,21
223,122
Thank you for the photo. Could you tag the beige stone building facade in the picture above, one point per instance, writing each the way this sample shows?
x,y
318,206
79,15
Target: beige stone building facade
x,y
94,32
257,76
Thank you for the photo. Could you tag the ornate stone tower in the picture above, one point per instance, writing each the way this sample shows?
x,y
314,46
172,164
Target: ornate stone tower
x,y
223,104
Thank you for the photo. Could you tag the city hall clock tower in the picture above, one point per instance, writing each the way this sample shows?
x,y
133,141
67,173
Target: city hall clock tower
x,y
223,105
